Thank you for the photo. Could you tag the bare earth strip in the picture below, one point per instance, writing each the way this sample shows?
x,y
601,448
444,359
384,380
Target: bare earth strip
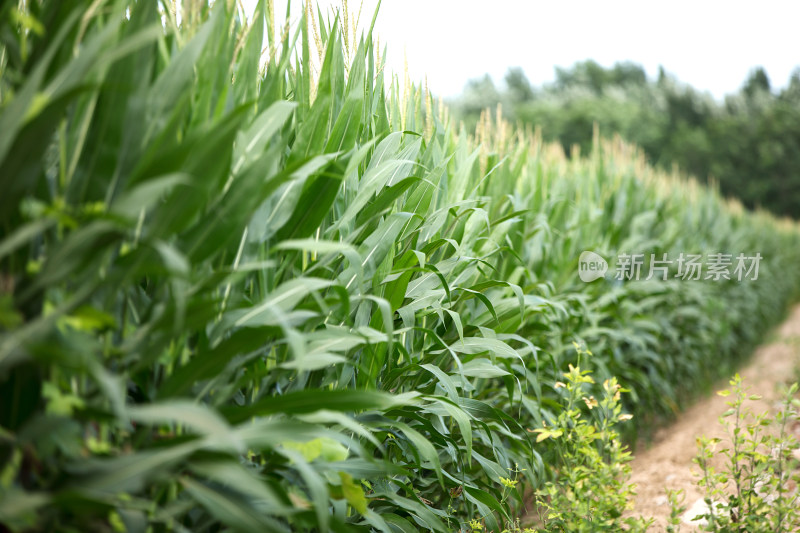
x,y
667,462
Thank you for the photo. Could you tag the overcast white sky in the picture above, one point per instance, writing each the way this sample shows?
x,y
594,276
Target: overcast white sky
x,y
710,44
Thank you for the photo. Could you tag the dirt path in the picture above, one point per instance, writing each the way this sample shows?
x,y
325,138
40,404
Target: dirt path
x,y
667,462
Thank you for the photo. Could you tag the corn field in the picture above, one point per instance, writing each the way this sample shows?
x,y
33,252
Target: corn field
x,y
270,288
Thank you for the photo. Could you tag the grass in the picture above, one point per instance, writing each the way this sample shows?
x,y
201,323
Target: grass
x,y
243,291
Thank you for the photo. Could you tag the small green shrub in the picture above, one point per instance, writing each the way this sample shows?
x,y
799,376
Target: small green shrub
x,y
677,506
757,488
591,490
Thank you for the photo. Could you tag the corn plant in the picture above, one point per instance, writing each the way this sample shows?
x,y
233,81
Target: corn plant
x,y
272,288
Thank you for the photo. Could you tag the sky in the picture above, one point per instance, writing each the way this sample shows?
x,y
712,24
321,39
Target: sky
x,y
711,44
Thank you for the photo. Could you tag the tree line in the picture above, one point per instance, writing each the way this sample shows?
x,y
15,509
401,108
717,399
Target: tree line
x,y
749,142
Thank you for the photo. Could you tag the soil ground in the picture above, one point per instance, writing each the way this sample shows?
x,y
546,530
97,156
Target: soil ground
x,y
666,463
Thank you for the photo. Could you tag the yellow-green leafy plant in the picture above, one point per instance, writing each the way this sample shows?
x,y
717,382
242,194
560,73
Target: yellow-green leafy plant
x,y
756,488
590,490
677,506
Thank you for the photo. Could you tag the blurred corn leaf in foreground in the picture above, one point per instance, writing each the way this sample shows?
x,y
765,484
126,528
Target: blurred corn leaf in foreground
x,y
273,291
